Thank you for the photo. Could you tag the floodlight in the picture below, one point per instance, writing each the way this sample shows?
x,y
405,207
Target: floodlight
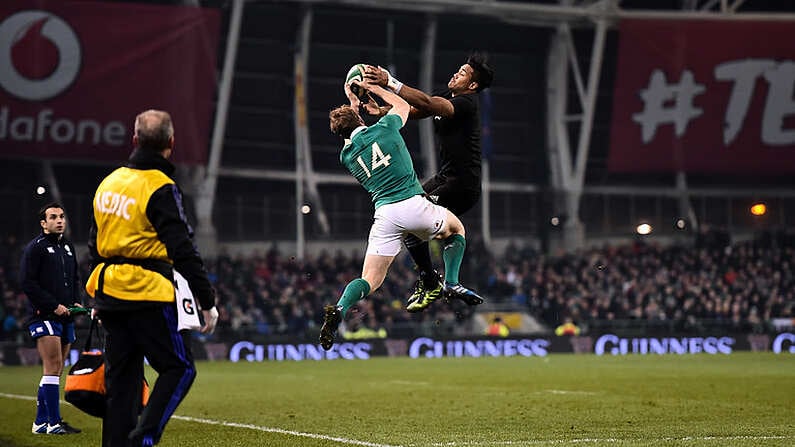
x,y
644,229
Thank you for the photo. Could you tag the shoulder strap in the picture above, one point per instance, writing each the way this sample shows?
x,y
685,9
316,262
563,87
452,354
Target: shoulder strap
x,y
92,329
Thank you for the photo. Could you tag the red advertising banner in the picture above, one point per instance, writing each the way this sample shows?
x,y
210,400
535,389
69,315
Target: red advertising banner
x,y
704,96
74,74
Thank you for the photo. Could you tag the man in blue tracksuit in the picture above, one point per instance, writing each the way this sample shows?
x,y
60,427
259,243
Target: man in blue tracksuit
x,y
48,275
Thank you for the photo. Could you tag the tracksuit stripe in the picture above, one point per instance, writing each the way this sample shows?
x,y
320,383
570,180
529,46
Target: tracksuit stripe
x,y
170,314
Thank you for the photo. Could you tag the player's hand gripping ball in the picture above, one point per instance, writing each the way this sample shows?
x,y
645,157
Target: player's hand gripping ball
x,y
356,73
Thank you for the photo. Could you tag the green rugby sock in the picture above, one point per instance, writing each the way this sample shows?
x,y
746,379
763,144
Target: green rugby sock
x,y
356,290
453,254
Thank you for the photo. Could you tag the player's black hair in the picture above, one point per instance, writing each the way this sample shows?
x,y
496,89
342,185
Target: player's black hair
x,y
482,73
43,210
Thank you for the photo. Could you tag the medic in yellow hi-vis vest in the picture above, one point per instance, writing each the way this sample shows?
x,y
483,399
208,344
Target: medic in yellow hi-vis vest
x,y
124,231
138,238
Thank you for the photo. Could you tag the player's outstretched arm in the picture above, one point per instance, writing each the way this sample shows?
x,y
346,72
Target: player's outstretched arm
x,y
423,105
399,105
426,105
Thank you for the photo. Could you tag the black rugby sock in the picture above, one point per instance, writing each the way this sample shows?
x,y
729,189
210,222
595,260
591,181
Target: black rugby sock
x,y
421,254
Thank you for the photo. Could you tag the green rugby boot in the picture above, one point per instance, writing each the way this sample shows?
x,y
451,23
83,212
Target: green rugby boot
x,y
423,296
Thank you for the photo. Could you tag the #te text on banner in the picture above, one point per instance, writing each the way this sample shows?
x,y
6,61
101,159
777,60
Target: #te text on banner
x,y
704,97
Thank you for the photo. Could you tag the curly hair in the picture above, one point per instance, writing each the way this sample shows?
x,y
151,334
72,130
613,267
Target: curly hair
x,y
343,120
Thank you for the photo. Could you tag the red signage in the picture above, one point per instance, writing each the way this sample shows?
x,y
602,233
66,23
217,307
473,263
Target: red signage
x,y
704,96
73,76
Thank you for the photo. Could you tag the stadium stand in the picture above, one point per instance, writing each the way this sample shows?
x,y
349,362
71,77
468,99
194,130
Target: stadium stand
x,y
633,288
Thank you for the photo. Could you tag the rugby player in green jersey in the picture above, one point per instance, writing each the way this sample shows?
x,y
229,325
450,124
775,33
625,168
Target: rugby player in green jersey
x,y
378,158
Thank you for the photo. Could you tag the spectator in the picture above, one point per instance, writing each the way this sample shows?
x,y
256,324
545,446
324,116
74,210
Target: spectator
x,y
567,328
498,328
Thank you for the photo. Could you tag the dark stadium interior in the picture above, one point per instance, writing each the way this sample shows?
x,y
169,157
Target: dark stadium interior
x,y
260,135
632,247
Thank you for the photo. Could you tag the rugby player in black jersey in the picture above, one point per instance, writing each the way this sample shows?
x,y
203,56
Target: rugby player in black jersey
x,y
456,120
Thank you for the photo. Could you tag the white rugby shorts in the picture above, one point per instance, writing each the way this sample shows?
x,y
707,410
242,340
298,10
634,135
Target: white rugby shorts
x,y
416,215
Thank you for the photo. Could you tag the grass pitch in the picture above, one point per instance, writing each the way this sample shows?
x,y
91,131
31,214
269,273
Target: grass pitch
x,y
743,399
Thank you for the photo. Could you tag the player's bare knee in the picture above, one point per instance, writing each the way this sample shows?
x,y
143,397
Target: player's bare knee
x,y
454,225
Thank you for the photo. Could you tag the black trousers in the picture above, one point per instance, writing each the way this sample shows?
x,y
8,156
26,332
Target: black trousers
x,y
455,195
131,335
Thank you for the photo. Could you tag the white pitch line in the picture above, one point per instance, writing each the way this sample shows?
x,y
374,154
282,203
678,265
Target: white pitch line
x,y
563,392
283,431
17,396
454,443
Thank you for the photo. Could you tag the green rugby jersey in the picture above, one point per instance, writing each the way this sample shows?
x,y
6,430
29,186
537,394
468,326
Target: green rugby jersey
x,y
379,159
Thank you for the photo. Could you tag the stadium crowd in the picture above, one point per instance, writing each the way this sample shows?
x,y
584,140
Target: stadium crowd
x,y
741,286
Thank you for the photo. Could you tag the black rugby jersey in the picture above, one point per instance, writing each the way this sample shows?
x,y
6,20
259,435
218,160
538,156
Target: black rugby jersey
x,y
459,138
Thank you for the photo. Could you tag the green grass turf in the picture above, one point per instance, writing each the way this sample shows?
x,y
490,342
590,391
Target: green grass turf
x,y
744,399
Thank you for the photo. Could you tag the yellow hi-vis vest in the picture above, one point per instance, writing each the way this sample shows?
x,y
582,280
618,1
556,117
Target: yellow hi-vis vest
x,y
123,230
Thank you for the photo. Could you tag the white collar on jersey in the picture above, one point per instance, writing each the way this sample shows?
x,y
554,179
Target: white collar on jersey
x,y
357,130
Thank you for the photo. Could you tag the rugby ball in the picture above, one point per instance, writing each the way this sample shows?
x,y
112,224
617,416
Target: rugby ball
x,y
356,73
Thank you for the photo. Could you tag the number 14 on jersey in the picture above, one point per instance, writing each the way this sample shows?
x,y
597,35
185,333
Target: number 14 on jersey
x,y
378,160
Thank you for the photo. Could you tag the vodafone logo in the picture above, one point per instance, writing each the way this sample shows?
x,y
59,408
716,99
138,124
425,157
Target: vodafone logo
x,y
39,55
